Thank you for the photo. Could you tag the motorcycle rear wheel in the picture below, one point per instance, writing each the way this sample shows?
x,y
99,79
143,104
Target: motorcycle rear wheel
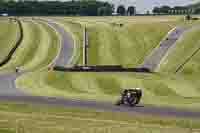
x,y
134,102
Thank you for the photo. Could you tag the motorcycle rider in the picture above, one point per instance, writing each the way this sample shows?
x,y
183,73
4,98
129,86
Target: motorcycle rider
x,y
137,90
128,92
138,94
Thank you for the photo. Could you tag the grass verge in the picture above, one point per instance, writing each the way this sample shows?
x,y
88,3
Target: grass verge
x,y
8,37
158,90
127,45
186,45
39,47
20,117
110,44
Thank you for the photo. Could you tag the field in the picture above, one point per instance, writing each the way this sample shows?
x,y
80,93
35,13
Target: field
x,y
188,42
8,37
22,118
110,44
158,90
39,41
174,84
129,50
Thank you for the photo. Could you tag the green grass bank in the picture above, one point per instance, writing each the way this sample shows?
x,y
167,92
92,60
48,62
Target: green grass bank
x,y
9,36
39,47
20,117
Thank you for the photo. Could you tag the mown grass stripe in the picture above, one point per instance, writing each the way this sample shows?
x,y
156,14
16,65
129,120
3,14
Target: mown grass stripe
x,y
15,45
38,49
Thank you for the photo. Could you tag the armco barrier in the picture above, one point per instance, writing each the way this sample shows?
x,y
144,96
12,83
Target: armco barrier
x,y
21,35
100,69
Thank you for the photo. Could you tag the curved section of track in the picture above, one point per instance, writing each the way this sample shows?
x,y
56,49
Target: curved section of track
x,y
67,46
7,80
154,59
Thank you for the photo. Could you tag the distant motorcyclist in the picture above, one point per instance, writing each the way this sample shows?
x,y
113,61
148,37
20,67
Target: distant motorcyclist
x,y
130,96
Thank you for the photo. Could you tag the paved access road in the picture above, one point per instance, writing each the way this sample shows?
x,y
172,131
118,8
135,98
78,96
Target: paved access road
x,y
9,92
154,59
7,84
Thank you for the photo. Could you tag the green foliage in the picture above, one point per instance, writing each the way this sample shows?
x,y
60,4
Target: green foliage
x,y
85,7
168,10
131,10
121,10
104,11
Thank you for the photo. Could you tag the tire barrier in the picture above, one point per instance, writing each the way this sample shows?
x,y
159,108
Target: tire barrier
x,y
12,51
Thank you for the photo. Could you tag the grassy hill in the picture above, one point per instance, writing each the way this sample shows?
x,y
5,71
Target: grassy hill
x,y
38,48
158,89
111,44
183,52
128,46
9,36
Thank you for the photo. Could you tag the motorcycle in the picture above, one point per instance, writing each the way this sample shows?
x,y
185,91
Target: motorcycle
x,y
130,97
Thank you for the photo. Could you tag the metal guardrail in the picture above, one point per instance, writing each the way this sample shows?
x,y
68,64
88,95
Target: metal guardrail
x,y
100,69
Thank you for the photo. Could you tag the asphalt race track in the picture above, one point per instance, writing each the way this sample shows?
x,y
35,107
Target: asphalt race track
x,y
105,106
67,46
8,91
154,59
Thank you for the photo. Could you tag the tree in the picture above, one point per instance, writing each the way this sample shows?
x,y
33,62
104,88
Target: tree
x,y
131,10
179,8
37,7
104,11
165,9
197,11
7,0
121,10
147,12
156,10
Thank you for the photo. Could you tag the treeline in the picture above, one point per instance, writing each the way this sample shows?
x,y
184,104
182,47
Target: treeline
x,y
172,10
130,11
84,8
